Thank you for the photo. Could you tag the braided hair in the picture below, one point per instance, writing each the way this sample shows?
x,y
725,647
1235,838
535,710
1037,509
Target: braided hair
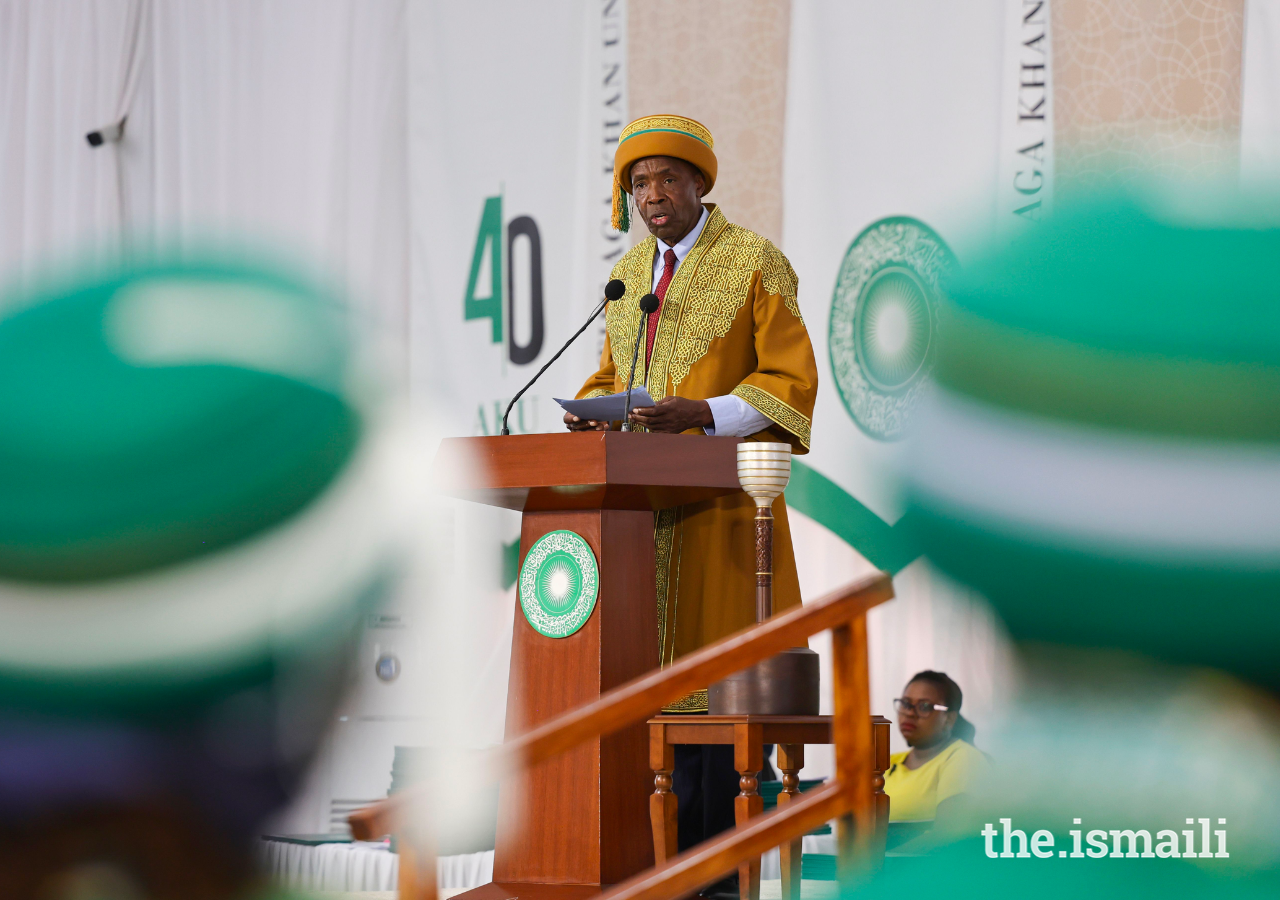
x,y
963,728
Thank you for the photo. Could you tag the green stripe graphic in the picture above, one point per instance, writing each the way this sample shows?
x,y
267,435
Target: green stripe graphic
x,y
887,547
510,563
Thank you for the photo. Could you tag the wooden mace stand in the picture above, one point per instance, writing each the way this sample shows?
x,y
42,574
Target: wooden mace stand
x,y
571,824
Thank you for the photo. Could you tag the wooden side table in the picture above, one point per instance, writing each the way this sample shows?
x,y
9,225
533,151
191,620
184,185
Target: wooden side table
x,y
748,735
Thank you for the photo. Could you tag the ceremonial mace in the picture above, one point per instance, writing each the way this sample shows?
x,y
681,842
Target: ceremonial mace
x,y
786,684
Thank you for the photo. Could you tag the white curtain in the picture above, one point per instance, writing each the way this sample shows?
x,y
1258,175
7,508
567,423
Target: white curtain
x,y
61,74
285,121
364,867
276,125
271,127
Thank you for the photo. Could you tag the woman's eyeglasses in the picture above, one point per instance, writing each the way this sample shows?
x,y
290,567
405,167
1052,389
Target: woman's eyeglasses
x,y
922,709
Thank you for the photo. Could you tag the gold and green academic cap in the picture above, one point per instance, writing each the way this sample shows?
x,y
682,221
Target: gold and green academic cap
x,y
662,135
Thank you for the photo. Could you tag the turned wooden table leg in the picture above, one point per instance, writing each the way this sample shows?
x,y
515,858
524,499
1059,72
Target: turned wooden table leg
x,y
880,730
748,759
663,804
790,762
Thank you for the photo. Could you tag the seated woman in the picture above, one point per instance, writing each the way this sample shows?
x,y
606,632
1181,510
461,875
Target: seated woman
x,y
927,780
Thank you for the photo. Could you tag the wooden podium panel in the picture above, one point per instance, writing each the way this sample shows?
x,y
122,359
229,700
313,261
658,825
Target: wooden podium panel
x,y
581,820
594,786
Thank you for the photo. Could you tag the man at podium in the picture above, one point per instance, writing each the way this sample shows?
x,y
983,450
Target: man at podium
x,y
726,353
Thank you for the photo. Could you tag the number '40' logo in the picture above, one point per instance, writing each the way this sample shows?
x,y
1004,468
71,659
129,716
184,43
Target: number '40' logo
x,y
489,241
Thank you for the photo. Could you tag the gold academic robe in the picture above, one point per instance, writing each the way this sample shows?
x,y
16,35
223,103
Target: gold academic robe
x,y
729,324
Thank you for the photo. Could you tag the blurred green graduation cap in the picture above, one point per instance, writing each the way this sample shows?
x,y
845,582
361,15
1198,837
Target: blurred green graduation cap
x,y
187,494
1102,455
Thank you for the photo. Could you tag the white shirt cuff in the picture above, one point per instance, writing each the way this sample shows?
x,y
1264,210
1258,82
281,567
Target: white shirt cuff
x,y
734,417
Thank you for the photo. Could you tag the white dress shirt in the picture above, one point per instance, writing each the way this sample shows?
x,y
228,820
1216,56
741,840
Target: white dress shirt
x,y
682,247
731,416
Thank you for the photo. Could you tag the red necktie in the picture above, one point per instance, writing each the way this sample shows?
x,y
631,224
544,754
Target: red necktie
x,y
668,272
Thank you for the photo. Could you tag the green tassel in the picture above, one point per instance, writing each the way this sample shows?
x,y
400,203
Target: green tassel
x,y
619,216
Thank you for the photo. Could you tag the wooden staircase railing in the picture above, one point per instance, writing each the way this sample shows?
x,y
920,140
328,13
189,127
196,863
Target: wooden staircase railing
x,y
848,797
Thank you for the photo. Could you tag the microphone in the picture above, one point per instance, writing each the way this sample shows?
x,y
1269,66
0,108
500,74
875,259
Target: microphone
x,y
612,291
648,306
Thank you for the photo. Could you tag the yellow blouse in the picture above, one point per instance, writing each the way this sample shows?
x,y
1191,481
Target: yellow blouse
x,y
914,794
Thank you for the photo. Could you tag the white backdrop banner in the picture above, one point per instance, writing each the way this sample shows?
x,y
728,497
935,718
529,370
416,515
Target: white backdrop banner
x,y
514,111
914,132
1260,103
1024,191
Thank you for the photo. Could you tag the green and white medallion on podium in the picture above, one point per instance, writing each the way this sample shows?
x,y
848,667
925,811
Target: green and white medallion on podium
x,y
559,582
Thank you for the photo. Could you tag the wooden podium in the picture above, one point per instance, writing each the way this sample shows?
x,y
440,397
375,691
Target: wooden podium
x,y
581,820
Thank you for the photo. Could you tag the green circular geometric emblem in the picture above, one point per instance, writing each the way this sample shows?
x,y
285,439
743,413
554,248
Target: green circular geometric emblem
x,y
558,584
884,322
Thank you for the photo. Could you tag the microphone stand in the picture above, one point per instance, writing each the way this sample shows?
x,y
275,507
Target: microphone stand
x,y
631,376
505,429
646,309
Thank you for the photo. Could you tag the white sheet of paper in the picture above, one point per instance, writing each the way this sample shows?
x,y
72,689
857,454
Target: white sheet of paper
x,y
606,409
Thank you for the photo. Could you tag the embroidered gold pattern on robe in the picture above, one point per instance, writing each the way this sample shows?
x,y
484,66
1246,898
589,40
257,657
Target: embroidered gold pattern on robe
x,y
689,703
622,317
678,122
663,536
730,324
778,277
790,419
